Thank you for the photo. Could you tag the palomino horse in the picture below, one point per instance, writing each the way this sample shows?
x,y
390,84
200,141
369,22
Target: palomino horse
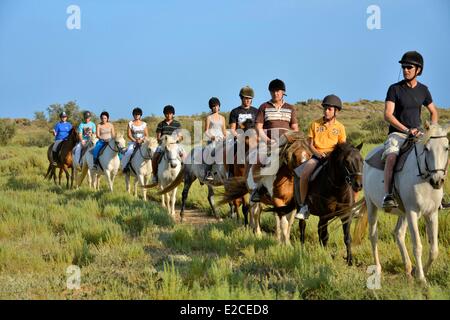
x,y
64,161
141,166
332,193
168,169
109,162
419,188
79,163
277,178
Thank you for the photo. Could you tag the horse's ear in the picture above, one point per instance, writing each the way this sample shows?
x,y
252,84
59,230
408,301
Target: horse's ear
x,y
359,146
427,125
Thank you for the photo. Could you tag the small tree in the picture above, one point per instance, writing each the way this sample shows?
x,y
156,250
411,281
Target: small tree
x,y
40,116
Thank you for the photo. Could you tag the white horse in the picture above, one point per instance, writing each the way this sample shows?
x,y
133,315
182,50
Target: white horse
x,y
141,166
168,170
109,161
419,187
79,163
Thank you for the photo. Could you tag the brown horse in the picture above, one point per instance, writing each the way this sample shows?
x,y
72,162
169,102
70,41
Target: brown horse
x,y
279,184
332,193
243,143
64,160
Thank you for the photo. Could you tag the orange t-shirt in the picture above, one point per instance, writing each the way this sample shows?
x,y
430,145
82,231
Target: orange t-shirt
x,y
326,136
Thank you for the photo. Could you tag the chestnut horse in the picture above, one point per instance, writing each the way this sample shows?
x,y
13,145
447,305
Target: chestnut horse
x,y
278,181
64,160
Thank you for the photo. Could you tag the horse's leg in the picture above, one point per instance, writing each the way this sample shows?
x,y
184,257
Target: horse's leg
x,y
137,180
432,234
109,180
72,178
143,182
245,209
232,212
400,232
323,231
188,180
66,171
172,202
291,218
256,219
302,227
347,240
127,183
60,176
417,243
211,200
373,233
285,236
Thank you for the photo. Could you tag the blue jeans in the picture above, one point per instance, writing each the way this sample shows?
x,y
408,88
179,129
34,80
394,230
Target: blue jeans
x,y
98,146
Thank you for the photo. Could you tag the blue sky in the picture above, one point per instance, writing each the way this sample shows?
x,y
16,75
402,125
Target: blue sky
x,y
153,53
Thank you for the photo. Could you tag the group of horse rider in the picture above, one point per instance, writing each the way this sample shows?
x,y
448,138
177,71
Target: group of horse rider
x,y
403,105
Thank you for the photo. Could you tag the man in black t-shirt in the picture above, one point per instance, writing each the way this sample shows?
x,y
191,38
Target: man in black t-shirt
x,y
166,127
244,116
403,106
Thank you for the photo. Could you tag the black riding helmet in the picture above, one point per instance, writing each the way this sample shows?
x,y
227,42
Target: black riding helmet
x,y
63,114
333,101
137,111
213,102
414,58
86,115
276,85
169,109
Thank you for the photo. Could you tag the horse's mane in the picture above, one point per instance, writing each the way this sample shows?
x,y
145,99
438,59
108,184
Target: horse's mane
x,y
341,149
432,130
151,142
167,139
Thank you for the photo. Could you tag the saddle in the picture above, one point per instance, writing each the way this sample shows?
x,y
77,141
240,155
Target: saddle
x,y
375,160
298,171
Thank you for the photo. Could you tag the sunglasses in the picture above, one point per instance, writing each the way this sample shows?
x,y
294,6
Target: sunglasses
x,y
408,67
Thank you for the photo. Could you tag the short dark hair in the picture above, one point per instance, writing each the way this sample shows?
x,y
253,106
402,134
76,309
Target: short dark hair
x,y
104,113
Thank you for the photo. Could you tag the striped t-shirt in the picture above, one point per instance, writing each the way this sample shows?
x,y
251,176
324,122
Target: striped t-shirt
x,y
273,118
165,128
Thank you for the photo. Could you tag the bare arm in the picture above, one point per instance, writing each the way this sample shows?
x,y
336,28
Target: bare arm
x,y
233,129
224,128
207,127
97,132
130,135
113,132
294,126
389,108
261,133
313,148
433,113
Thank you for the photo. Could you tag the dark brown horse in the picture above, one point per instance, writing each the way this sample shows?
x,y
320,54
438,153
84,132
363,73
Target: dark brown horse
x,y
332,193
64,160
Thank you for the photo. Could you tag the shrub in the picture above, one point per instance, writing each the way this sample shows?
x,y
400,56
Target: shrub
x,y
7,131
377,128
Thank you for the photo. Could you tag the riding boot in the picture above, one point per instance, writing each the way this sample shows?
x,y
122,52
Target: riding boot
x,y
54,158
155,162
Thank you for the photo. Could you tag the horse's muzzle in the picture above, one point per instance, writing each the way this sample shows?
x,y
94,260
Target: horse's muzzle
x,y
437,183
173,164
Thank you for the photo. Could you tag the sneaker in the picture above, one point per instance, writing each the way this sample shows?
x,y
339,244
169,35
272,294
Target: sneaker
x,y
302,213
389,202
255,197
209,176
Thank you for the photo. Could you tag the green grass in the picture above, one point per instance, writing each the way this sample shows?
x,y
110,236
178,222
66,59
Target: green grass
x,y
131,249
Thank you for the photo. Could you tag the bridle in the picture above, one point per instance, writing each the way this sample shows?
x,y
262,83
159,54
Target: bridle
x,y
428,172
119,149
350,176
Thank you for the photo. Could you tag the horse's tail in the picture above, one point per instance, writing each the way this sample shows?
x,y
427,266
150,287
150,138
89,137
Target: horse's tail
x,y
361,225
235,188
179,179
